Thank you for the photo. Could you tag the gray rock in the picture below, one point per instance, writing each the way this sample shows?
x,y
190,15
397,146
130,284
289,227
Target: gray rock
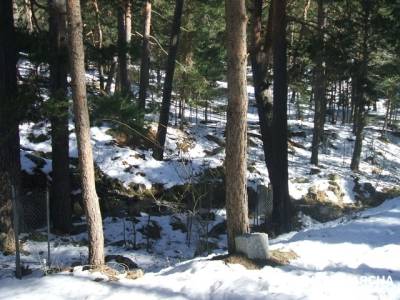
x,y
122,260
253,245
217,230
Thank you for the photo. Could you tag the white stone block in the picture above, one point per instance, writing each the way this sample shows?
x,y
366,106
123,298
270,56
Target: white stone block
x,y
253,245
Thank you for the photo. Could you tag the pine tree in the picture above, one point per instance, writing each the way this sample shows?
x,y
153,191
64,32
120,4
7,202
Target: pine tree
x,y
272,111
99,42
60,188
361,84
10,165
281,213
319,88
145,60
82,126
158,151
236,127
124,32
261,55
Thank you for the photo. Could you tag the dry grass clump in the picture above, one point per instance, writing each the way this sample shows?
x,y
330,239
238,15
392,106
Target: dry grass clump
x,y
277,258
114,275
282,257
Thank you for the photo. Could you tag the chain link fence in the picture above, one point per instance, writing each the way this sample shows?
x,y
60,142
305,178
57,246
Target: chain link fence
x,y
264,204
31,221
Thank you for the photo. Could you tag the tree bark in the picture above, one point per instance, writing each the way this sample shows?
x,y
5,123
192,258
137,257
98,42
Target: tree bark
x,y
354,97
281,213
236,127
110,75
361,88
386,121
122,50
99,42
128,30
60,188
297,68
158,151
272,115
320,88
82,125
145,61
10,165
260,55
28,15
186,57
359,119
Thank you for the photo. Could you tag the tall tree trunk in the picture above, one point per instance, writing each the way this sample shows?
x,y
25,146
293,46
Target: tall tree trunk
x,y
99,42
236,127
82,125
128,30
10,165
28,15
342,100
359,123
60,188
273,115
320,88
110,76
122,51
347,102
299,114
361,87
145,61
260,54
186,57
386,121
297,68
158,152
181,112
391,114
281,213
354,97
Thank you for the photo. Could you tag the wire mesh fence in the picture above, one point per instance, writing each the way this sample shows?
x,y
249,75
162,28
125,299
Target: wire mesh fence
x,y
31,218
262,208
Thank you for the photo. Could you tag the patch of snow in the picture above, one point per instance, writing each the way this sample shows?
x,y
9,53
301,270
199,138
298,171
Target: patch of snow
x,y
342,259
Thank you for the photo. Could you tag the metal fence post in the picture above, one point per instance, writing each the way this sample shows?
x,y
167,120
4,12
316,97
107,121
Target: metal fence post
x,y
48,226
18,273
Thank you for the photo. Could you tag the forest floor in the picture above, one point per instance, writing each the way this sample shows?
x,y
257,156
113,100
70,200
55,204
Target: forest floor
x,y
350,258
346,242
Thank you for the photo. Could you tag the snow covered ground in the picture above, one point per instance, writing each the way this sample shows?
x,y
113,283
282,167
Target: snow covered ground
x,y
350,258
379,165
354,257
126,164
